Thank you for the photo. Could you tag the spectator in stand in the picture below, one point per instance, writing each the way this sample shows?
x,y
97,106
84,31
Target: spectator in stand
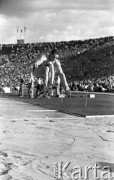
x,y
21,85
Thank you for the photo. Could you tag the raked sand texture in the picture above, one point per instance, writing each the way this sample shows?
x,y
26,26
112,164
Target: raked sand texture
x,y
33,138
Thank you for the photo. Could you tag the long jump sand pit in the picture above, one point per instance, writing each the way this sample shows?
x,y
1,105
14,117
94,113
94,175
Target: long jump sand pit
x,y
33,138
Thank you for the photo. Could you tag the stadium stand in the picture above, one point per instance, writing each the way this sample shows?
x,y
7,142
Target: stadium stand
x,y
88,64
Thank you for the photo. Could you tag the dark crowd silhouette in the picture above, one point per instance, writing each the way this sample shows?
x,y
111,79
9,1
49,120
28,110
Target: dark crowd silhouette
x,y
88,64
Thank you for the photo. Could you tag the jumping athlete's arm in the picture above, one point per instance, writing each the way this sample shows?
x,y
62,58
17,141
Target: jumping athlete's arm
x,y
40,61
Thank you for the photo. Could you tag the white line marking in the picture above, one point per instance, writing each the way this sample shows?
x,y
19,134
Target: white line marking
x,y
41,110
99,116
99,93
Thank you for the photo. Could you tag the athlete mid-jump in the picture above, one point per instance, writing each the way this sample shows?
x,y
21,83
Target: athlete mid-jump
x,y
47,66
58,71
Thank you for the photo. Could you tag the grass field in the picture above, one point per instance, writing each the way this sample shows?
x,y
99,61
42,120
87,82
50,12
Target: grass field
x,y
79,104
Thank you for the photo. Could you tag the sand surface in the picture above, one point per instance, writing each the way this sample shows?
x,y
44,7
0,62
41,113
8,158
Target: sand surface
x,y
32,139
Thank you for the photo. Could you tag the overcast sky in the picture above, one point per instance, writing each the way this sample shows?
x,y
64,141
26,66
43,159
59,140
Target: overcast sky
x,y
56,20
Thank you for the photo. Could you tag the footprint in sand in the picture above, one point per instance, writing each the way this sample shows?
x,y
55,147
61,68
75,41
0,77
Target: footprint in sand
x,y
4,167
3,154
26,120
5,177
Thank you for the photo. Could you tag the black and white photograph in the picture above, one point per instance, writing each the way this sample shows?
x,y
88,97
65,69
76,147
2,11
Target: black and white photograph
x,y
56,90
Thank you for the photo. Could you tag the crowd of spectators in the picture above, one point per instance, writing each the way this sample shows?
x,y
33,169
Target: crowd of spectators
x,y
87,64
105,84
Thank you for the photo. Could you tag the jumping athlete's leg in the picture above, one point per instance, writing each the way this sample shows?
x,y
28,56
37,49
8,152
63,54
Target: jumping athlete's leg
x,y
58,86
46,77
62,77
51,74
